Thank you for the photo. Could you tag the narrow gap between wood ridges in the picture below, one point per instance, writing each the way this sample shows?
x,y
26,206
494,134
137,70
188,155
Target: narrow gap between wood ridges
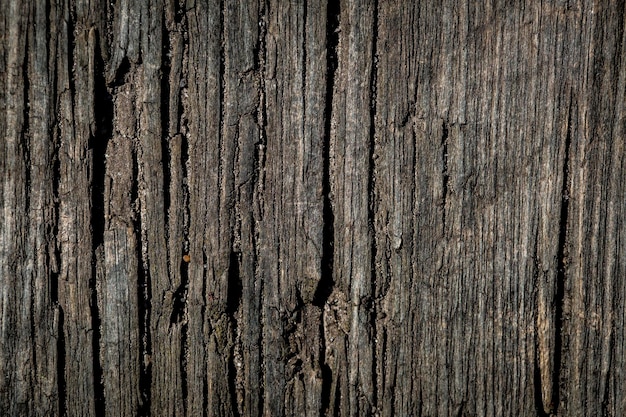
x,y
103,115
143,286
444,171
259,178
56,262
326,284
537,383
166,66
562,254
24,144
372,201
25,133
235,291
180,307
206,298
179,298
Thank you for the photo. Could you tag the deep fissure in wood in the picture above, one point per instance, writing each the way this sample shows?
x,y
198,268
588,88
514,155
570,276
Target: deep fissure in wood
x,y
71,47
326,283
165,126
121,73
259,169
103,115
562,254
61,354
373,306
303,75
444,170
205,304
372,197
25,133
537,384
235,287
143,293
179,308
56,265
235,292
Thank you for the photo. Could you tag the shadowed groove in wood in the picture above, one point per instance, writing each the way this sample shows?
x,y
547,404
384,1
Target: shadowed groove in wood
x,y
103,115
232,308
143,302
444,170
372,302
326,283
54,283
181,296
24,134
260,159
562,264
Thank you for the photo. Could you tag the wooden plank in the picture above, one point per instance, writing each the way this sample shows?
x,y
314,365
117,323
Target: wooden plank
x,y
292,202
241,135
164,352
16,367
403,180
593,339
156,290
118,280
75,237
305,208
348,314
209,218
40,245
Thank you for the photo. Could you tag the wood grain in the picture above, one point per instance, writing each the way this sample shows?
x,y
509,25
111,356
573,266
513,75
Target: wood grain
x,y
345,208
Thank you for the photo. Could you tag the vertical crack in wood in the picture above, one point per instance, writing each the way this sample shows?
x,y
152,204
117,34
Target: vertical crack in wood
x,y
537,384
562,254
220,136
166,67
71,47
103,118
143,290
444,171
303,74
259,181
372,198
56,263
25,133
179,309
28,276
326,283
204,315
61,353
179,298
235,292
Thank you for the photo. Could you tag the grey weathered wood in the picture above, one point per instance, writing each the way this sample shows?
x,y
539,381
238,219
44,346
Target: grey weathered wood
x,y
349,332
28,321
312,208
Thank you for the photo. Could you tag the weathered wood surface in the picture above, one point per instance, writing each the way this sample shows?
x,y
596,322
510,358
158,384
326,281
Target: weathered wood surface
x,y
307,208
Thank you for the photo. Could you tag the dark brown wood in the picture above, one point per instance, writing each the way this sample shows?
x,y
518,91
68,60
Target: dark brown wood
x,y
352,208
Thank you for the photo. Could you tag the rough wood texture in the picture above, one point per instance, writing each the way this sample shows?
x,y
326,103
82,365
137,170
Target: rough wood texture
x,y
346,208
